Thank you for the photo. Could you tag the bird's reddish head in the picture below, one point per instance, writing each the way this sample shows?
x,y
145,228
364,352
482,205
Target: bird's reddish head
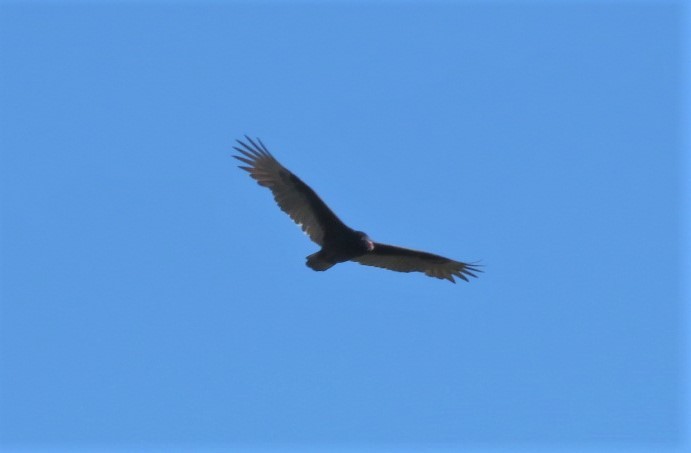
x,y
369,245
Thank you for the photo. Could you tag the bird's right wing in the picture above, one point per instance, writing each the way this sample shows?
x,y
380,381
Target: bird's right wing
x,y
406,260
292,195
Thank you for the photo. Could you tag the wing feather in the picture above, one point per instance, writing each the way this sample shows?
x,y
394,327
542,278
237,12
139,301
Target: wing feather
x,y
406,260
292,195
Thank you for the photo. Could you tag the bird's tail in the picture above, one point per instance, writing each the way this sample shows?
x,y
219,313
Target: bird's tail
x,y
317,262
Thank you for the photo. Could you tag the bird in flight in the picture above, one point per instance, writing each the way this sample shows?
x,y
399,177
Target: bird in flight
x,y
339,243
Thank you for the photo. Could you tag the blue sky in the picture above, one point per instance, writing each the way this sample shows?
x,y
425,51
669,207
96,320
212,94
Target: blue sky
x,y
153,296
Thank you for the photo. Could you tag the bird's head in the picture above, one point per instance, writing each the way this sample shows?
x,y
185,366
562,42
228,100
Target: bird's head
x,y
366,241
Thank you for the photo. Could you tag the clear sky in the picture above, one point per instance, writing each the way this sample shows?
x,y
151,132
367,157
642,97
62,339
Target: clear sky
x,y
153,296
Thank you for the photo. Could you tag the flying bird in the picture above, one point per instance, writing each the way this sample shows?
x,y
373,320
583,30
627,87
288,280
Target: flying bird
x,y
339,243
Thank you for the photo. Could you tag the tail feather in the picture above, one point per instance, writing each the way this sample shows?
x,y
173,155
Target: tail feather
x,y
317,262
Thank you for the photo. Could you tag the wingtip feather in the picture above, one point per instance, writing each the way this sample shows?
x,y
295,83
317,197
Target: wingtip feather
x,y
244,160
266,150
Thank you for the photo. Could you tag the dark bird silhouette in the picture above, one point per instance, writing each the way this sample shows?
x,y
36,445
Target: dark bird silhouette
x,y
338,242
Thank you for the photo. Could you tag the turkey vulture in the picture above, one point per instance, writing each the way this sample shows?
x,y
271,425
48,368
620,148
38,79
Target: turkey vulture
x,y
338,242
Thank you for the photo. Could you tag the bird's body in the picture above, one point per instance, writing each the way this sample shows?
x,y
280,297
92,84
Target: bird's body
x,y
344,246
339,243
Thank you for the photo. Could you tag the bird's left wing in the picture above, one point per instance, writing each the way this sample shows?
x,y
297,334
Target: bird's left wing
x,y
406,260
292,195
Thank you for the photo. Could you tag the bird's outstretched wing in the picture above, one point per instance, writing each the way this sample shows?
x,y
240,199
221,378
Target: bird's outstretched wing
x,y
407,260
292,195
